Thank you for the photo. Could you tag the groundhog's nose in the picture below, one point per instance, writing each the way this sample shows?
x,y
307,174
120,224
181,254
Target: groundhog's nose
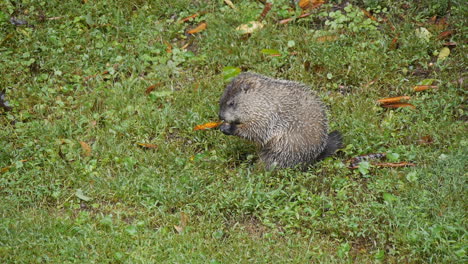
x,y
227,128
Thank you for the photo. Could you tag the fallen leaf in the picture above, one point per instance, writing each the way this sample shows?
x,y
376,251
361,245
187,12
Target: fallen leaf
x,y
450,44
394,164
445,34
310,4
230,72
393,99
426,140
398,105
265,11
185,19
230,4
179,229
147,145
168,46
419,88
444,53
368,14
271,52
287,20
183,222
151,88
208,125
5,169
249,27
86,148
79,193
200,27
328,38
423,33
394,43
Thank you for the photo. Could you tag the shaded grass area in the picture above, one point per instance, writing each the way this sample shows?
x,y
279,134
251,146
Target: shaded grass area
x,y
83,76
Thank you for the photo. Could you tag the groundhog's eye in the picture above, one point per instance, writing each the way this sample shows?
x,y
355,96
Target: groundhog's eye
x,y
230,103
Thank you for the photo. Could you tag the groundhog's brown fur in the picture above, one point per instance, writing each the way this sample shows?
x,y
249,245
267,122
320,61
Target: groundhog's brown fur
x,y
284,117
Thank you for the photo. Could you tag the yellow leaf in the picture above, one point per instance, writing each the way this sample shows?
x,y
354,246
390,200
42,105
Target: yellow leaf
x,y
443,54
229,3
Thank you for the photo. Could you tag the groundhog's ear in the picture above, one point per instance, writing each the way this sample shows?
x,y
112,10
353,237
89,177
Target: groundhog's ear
x,y
246,86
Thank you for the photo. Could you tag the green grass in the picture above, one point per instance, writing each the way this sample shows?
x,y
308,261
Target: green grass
x,y
121,203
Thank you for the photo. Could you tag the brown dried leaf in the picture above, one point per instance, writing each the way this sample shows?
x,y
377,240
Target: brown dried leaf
x,y
328,38
179,229
419,88
287,20
394,164
265,11
147,145
368,14
168,46
391,100
86,148
151,88
183,222
208,125
394,43
199,28
445,34
426,140
450,44
398,105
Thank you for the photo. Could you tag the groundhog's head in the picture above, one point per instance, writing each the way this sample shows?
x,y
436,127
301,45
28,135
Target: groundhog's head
x,y
241,104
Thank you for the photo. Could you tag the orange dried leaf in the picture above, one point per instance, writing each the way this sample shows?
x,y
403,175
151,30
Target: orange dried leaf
x,y
188,18
398,105
393,99
207,126
419,88
147,145
2,170
199,28
309,4
86,148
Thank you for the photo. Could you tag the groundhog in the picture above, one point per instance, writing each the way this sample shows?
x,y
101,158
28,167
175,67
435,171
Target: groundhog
x,y
284,117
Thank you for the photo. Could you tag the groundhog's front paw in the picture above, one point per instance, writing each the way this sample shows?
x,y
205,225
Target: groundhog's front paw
x,y
228,128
